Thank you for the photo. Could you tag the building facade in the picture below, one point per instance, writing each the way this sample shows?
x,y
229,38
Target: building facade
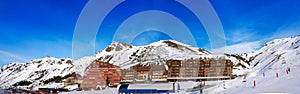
x,y
73,79
99,74
144,73
207,67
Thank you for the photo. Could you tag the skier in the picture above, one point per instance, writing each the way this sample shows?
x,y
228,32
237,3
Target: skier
x,y
289,69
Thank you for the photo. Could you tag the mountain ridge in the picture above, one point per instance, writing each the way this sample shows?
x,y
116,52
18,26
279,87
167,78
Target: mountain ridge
x,y
127,55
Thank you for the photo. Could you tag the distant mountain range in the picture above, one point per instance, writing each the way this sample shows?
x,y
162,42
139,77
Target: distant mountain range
x,y
272,55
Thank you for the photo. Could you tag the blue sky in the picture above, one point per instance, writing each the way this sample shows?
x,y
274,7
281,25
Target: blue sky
x,y
32,29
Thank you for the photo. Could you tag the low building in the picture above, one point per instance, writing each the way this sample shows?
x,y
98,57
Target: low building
x,y
129,75
74,79
139,72
142,72
158,72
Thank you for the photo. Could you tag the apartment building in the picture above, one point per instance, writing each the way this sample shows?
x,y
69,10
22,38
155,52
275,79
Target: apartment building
x,y
97,74
202,67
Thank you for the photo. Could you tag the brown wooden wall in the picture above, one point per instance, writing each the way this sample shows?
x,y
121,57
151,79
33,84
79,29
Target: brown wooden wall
x,y
139,72
199,68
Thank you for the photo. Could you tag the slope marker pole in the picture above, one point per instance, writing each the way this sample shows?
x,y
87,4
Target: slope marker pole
x,y
254,83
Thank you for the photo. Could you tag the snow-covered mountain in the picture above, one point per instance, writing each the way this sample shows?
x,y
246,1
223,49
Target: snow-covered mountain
x,y
241,63
126,55
120,54
275,57
35,71
277,54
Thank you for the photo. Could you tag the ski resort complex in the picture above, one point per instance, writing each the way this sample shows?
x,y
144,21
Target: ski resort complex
x,y
160,67
99,74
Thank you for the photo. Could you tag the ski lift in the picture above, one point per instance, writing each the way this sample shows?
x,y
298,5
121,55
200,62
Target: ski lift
x,y
283,61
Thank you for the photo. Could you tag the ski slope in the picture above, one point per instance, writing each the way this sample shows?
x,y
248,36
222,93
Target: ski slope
x,y
273,58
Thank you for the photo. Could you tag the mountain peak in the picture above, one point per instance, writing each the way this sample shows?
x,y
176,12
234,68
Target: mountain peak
x,y
117,46
124,54
168,42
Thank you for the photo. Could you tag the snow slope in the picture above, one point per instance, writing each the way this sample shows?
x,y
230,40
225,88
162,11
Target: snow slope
x,y
274,57
126,55
35,71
